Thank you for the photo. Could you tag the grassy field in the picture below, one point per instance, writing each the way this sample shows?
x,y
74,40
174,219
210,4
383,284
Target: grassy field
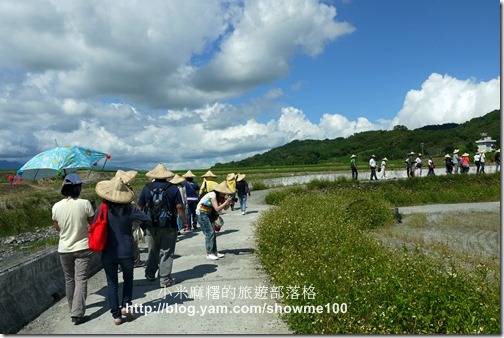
x,y
323,237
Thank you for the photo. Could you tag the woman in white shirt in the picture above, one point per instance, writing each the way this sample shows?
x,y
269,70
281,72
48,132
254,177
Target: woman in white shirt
x,y
71,217
419,164
383,167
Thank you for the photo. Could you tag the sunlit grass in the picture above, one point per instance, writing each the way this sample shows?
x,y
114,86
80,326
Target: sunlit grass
x,y
324,236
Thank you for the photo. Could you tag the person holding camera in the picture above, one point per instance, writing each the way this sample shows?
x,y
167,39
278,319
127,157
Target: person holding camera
x,y
207,212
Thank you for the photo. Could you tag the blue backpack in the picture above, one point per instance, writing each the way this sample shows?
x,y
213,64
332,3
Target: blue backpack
x,y
158,207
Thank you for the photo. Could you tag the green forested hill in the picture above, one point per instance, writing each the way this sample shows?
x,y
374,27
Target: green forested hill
x,y
437,140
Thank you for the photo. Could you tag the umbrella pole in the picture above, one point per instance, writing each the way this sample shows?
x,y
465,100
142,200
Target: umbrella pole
x,y
104,163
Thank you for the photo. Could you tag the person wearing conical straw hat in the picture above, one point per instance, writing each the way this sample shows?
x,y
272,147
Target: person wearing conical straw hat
x,y
449,164
372,166
231,181
410,164
419,164
207,213
179,182
119,251
242,190
138,233
482,161
208,182
162,238
456,161
477,162
353,166
431,166
71,217
383,168
464,161
192,191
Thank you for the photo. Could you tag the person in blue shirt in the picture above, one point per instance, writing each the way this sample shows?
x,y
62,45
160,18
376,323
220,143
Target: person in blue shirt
x,y
192,192
119,249
161,240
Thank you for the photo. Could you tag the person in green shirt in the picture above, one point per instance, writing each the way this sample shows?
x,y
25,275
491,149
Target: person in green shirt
x,y
353,166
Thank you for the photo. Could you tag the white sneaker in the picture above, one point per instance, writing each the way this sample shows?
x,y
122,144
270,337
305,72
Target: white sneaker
x,y
243,212
212,257
219,255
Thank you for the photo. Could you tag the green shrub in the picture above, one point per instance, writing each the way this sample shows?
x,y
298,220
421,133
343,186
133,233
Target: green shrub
x,y
319,241
276,196
258,185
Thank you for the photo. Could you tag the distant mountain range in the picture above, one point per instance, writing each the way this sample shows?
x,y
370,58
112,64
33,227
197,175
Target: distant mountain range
x,y
434,140
6,165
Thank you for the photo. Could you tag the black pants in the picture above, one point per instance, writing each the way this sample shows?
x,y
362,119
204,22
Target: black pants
x,y
354,173
373,173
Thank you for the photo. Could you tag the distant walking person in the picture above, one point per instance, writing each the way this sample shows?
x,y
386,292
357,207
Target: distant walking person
x,y
477,161
448,164
192,190
465,163
497,160
383,168
482,161
72,216
231,182
208,182
431,165
372,165
353,166
456,161
411,164
243,190
419,164
179,182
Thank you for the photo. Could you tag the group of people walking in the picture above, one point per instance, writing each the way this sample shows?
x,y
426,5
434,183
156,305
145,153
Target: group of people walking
x,y
183,200
372,165
414,164
461,164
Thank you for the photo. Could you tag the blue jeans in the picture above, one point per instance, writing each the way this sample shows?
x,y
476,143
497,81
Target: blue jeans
x,y
110,265
191,212
208,230
243,202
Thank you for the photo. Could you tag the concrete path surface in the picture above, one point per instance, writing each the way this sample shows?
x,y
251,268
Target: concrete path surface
x,y
204,290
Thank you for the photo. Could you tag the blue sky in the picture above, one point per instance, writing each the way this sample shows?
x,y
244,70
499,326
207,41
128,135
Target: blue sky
x,y
193,83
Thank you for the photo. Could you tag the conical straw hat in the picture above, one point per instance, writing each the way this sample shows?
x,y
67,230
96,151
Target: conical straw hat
x,y
223,188
160,172
177,179
209,174
189,174
114,190
127,176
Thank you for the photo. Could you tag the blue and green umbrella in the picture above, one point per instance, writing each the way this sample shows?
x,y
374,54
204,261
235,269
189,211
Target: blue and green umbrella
x,y
60,161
